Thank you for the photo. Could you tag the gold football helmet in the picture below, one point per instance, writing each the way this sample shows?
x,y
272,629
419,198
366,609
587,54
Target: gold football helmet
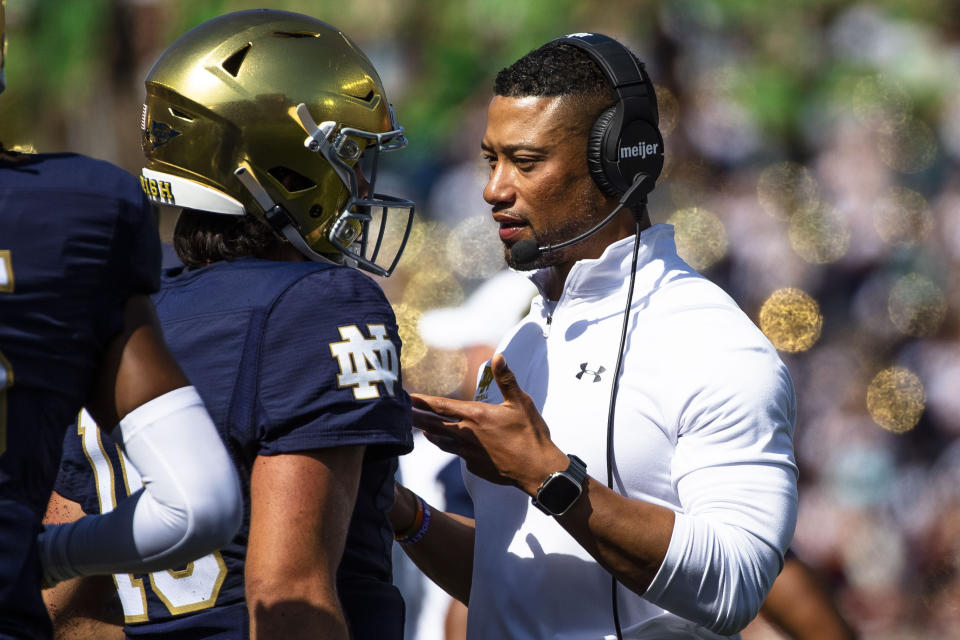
x,y
230,127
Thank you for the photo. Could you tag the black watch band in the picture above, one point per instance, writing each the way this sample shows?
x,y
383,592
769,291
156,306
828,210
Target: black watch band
x,y
561,489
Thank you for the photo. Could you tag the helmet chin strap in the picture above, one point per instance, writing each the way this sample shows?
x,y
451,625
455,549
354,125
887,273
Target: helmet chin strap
x,y
276,215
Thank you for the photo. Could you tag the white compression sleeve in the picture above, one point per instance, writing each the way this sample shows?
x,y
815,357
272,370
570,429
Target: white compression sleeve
x,y
190,503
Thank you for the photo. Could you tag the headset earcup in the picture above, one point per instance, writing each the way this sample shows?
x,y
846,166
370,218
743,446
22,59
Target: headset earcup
x,y
595,153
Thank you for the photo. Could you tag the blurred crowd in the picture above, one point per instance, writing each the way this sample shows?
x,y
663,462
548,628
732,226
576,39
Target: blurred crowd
x,y
811,164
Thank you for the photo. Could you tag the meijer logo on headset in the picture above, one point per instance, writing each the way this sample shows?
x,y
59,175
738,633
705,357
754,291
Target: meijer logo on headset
x,y
641,150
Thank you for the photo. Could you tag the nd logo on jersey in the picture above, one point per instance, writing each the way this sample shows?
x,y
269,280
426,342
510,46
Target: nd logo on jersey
x,y
366,361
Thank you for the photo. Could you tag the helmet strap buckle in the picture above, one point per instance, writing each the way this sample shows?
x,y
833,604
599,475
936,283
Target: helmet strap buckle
x,y
279,217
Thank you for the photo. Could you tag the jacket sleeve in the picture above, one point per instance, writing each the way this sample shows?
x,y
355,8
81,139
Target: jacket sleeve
x,y
736,478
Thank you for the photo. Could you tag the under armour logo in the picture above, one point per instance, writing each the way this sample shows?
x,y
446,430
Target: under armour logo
x,y
595,374
366,361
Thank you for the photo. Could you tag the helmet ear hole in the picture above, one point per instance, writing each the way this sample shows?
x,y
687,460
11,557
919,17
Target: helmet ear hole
x,y
291,180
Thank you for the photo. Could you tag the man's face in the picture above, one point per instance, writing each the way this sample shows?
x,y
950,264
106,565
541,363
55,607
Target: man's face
x,y
540,187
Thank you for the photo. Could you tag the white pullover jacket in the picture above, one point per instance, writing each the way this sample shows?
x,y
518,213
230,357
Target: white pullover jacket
x,y
704,426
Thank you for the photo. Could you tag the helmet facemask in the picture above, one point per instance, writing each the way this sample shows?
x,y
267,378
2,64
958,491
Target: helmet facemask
x,y
363,225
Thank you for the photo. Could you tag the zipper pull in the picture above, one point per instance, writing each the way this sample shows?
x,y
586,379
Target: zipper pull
x,y
546,326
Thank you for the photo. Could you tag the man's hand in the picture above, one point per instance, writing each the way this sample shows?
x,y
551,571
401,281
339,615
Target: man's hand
x,y
508,443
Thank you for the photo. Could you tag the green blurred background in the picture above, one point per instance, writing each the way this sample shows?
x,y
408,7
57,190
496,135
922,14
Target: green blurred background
x,y
812,148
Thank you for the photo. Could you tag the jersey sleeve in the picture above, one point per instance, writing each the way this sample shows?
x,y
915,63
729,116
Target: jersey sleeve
x,y
75,479
135,255
330,369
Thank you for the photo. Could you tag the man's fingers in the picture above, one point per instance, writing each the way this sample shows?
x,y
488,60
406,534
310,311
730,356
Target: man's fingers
x,y
439,428
505,379
425,418
445,408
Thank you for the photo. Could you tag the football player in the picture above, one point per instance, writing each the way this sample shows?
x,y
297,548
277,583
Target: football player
x,y
265,127
79,253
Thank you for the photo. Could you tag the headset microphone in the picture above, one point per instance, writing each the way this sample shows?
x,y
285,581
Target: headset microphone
x,y
527,250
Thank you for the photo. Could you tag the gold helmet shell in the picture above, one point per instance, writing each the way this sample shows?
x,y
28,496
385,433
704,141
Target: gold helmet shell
x,y
229,126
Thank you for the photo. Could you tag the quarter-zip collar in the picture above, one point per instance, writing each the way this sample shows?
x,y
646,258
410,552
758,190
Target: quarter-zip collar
x,y
594,278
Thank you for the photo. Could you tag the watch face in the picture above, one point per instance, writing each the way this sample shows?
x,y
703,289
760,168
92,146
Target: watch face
x,y
558,494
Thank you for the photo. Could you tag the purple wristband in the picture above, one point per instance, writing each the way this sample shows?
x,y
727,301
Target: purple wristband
x,y
424,525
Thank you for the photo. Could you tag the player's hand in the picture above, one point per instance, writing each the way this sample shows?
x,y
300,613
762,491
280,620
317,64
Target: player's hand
x,y
507,443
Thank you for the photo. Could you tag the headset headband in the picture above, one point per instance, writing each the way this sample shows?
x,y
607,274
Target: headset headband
x,y
625,72
624,142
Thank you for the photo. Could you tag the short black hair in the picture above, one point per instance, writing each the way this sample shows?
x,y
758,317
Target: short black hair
x,y
555,69
201,238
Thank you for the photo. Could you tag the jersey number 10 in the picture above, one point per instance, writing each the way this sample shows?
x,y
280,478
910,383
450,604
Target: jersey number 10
x,y
181,590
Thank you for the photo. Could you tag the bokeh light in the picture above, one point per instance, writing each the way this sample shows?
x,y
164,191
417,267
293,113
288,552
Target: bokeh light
x,y
869,307
668,110
791,320
880,100
413,348
425,235
474,249
439,372
432,286
903,217
908,147
916,305
786,188
690,183
896,399
669,164
820,235
700,236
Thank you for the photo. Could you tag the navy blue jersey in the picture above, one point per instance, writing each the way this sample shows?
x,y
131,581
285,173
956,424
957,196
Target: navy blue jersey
x,y
287,357
77,238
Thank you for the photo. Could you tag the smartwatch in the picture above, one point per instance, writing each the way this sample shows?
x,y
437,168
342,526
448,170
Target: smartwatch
x,y
561,489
